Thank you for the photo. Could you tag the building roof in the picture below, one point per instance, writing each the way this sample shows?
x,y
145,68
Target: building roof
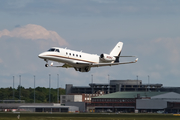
x,y
130,94
170,96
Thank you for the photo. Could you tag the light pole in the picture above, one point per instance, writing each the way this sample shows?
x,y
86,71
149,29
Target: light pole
x,y
57,88
19,87
92,78
34,88
92,83
49,88
148,82
148,79
137,82
13,87
108,85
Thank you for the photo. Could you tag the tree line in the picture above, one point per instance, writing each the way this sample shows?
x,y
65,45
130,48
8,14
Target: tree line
x,y
27,94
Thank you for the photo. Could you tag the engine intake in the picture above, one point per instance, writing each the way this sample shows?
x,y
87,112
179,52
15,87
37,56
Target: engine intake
x,y
107,58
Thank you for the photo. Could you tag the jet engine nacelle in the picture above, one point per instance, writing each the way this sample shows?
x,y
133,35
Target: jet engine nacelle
x,y
107,58
83,69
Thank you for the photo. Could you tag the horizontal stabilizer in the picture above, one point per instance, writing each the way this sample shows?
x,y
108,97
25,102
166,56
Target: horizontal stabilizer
x,y
129,62
127,56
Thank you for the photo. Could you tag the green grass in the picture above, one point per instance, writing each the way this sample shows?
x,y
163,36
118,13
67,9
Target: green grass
x,y
76,116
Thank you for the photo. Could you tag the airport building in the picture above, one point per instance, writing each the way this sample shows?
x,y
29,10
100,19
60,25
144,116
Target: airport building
x,y
127,102
115,96
126,96
48,108
168,102
70,98
37,107
118,85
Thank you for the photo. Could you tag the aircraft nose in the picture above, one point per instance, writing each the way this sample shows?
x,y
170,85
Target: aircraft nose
x,y
40,55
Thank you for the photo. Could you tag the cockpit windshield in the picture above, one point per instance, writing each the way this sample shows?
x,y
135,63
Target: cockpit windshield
x,y
51,49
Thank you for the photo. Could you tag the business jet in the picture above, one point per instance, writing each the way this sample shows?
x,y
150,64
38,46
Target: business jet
x,y
81,61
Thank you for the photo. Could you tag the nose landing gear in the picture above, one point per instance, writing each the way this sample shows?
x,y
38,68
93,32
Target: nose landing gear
x,y
46,65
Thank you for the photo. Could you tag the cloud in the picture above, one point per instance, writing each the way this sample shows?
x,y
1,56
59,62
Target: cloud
x,y
163,50
159,58
171,45
34,32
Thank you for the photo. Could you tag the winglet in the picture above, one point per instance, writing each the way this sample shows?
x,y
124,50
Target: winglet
x,y
136,60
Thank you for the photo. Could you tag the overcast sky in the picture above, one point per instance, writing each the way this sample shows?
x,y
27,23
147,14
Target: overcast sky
x,y
149,29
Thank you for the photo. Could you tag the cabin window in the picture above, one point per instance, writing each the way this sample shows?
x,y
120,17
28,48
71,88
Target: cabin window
x,y
66,53
69,53
57,50
51,49
73,54
79,55
76,55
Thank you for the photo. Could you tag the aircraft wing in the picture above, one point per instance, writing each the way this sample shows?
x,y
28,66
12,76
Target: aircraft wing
x,y
95,64
110,64
65,66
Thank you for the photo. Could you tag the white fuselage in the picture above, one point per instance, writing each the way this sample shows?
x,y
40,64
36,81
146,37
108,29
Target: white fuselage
x,y
70,56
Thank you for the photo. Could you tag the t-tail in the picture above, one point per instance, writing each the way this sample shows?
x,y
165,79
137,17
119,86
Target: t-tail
x,y
116,51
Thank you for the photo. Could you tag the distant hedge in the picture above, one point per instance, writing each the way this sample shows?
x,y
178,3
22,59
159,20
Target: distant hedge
x,y
27,94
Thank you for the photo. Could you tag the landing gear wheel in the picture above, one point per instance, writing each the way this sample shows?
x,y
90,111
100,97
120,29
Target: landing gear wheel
x,y
46,65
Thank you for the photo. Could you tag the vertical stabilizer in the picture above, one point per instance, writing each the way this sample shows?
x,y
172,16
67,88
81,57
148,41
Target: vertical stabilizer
x,y
117,49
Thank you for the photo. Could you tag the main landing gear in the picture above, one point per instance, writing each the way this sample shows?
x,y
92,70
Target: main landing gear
x,y
46,65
